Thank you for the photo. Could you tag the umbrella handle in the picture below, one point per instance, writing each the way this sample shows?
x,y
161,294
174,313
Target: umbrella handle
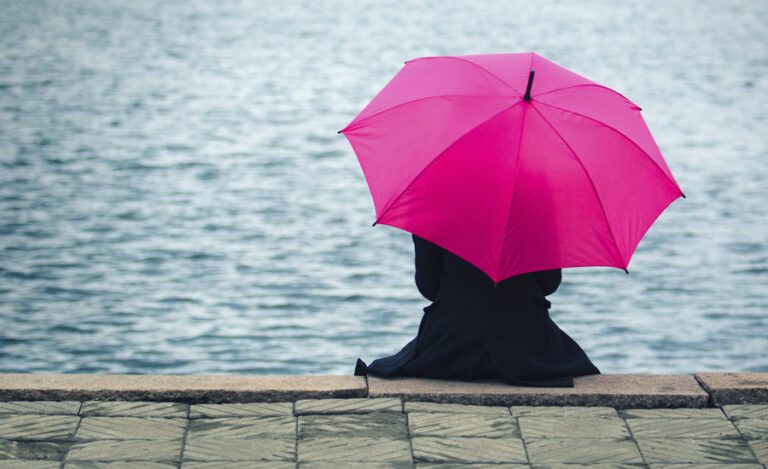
x,y
527,96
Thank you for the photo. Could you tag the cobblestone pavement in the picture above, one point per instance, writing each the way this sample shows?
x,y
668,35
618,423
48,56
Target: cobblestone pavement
x,y
377,434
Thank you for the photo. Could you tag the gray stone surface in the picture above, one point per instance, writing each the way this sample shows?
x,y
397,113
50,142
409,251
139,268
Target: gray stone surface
x,y
250,409
243,427
691,450
250,449
130,428
462,425
570,427
564,411
354,449
51,450
613,390
240,465
38,427
126,450
682,428
735,388
347,406
374,425
708,413
753,429
18,464
591,466
760,448
133,409
415,406
119,465
627,390
468,450
382,433
40,407
428,465
582,451
177,388
355,465
746,411
704,466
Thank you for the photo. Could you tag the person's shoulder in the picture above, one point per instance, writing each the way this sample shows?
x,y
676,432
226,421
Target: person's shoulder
x,y
424,242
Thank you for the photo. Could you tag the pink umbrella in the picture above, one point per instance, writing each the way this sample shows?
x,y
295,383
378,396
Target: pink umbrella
x,y
511,173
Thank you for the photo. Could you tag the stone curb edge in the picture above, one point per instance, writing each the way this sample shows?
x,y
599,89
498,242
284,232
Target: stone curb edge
x,y
704,389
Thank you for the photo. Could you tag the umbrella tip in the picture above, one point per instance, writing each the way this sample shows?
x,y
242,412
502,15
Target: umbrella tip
x,y
374,223
681,193
626,271
338,131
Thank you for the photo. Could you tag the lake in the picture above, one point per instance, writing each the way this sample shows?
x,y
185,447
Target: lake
x,y
174,197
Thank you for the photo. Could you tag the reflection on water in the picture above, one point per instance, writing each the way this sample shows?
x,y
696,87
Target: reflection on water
x,y
174,197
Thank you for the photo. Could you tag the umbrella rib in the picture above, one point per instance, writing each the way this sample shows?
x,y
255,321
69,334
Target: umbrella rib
x,y
589,177
356,125
517,164
442,152
666,176
472,63
514,190
587,84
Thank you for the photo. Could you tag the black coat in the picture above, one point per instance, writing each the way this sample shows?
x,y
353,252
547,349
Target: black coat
x,y
477,330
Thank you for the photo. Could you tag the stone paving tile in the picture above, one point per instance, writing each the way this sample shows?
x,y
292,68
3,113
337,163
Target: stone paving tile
x,y
348,406
126,450
130,428
753,429
760,448
702,413
38,427
564,411
582,451
464,425
251,409
133,409
739,387
746,411
468,450
32,450
557,427
119,465
19,464
590,466
354,449
704,466
691,450
246,449
356,465
243,427
40,407
683,428
374,425
413,406
241,465
428,465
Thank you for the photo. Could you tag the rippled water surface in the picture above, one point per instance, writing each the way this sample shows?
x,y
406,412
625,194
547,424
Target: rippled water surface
x,y
174,197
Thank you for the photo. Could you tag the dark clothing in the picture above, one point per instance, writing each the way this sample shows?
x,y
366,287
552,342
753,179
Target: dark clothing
x,y
475,330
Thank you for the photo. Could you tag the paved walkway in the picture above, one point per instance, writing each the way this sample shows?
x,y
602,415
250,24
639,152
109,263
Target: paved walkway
x,y
376,433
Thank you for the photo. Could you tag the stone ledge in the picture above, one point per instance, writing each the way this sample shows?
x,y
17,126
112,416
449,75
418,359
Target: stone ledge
x,y
735,388
611,390
617,390
177,388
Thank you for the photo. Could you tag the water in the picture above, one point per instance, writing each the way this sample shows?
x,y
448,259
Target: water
x,y
174,197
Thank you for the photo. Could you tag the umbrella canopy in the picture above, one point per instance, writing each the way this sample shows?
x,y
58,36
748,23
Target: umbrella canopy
x,y
512,163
